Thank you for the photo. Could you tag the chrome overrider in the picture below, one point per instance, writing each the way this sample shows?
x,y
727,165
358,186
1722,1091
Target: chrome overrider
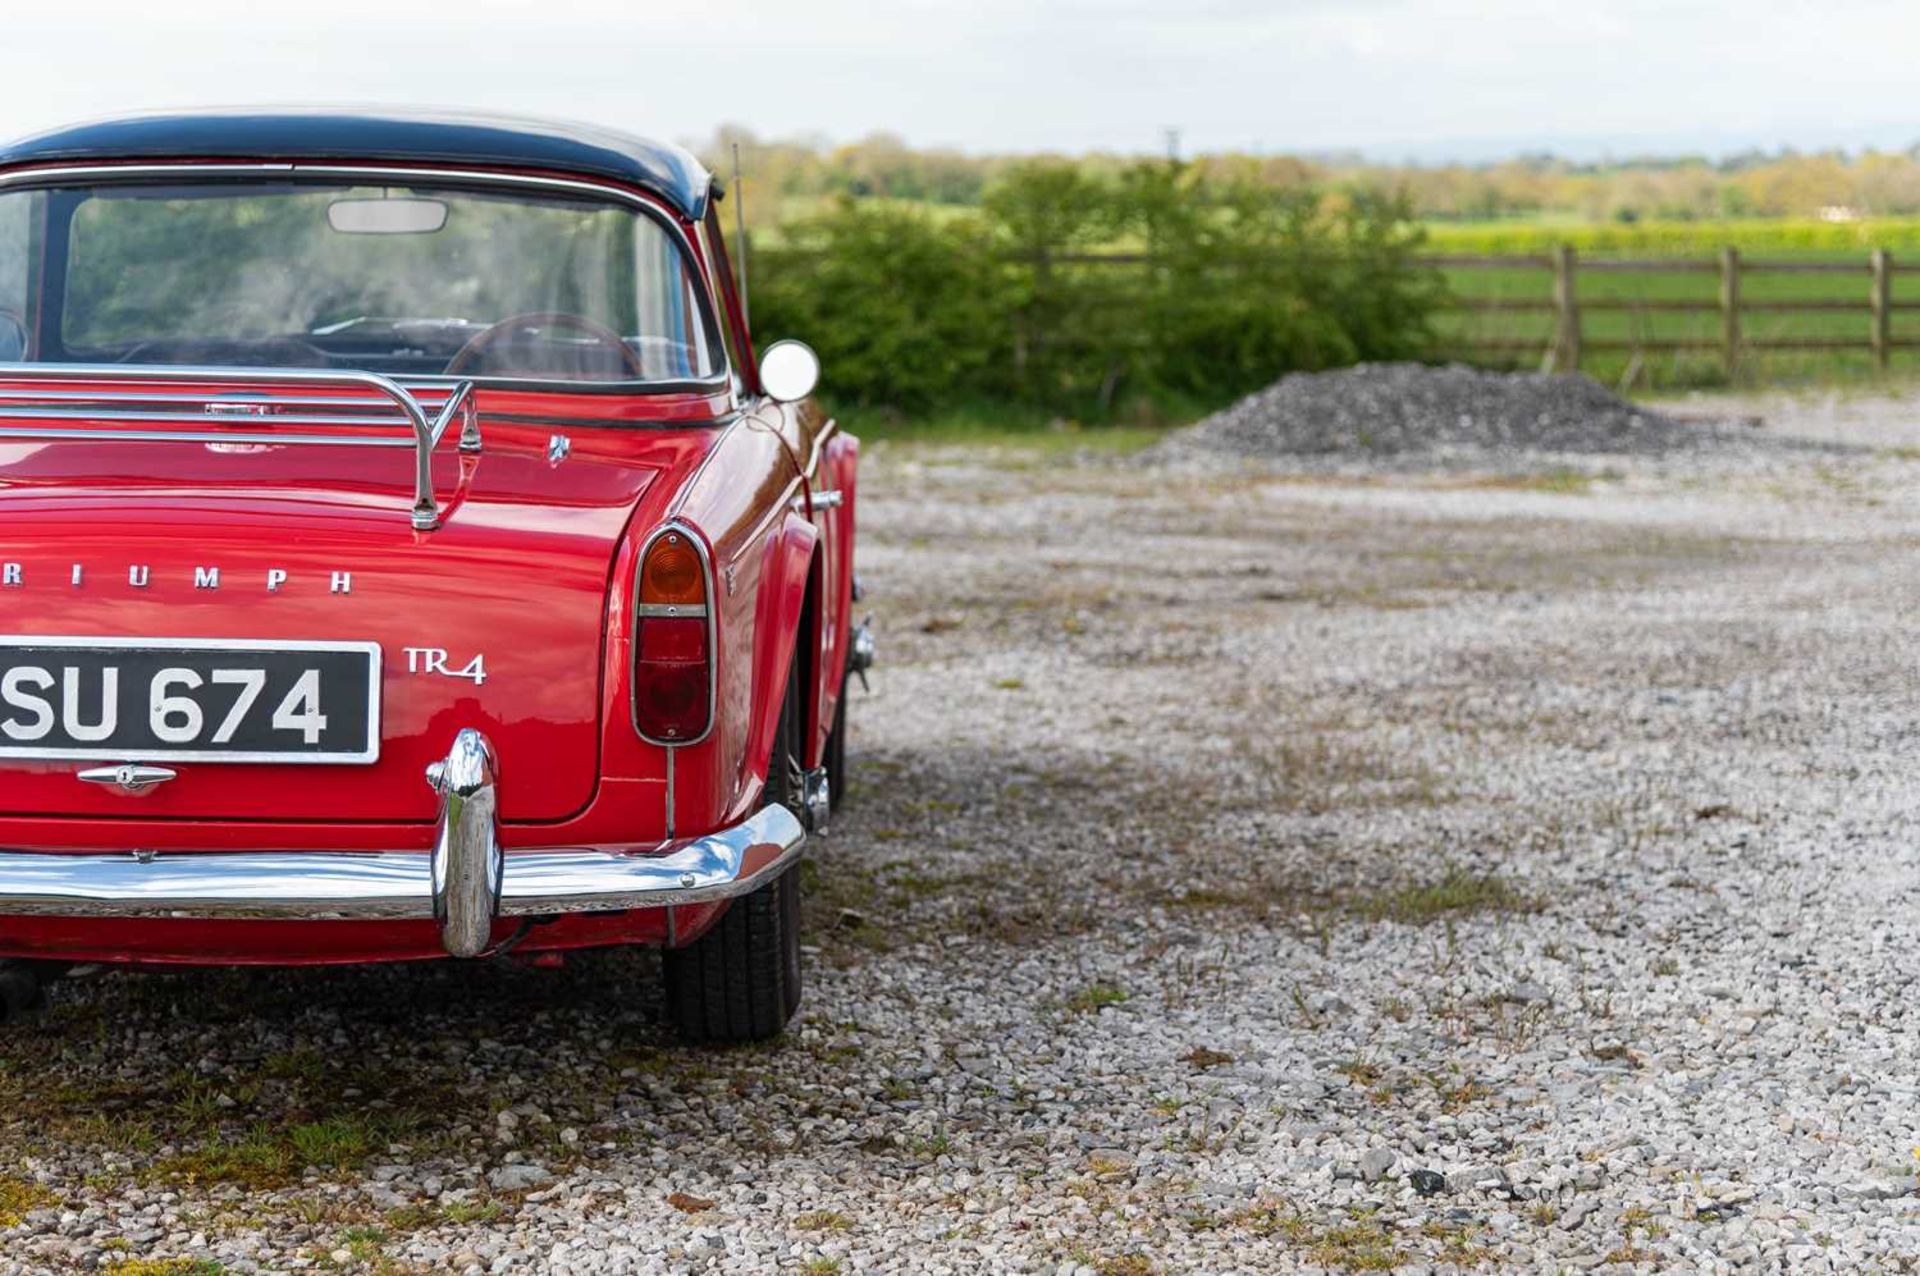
x,y
464,884
469,864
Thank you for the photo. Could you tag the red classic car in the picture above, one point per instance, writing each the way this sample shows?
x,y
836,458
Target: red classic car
x,y
404,554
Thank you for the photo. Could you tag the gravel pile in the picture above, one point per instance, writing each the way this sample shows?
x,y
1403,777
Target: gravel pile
x,y
1407,410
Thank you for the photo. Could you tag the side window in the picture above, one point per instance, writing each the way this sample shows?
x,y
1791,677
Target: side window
x,y
16,222
728,300
672,339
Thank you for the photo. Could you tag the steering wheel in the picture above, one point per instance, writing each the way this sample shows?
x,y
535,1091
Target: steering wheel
x,y
472,352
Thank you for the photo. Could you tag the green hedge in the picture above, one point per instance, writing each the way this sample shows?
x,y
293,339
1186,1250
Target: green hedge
x,y
1238,283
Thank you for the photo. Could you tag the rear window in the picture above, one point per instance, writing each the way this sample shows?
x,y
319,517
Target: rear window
x,y
409,279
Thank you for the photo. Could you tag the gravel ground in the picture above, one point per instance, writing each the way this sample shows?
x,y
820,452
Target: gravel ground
x,y
1245,873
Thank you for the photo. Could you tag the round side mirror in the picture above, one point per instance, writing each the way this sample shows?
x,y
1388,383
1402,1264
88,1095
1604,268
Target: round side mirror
x,y
789,370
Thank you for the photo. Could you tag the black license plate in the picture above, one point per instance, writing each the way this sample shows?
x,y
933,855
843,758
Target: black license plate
x,y
190,700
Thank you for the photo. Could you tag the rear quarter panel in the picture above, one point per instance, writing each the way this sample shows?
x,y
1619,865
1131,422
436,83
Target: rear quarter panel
x,y
741,500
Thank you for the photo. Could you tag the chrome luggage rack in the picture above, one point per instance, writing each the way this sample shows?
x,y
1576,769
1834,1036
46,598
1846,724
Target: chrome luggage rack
x,y
53,393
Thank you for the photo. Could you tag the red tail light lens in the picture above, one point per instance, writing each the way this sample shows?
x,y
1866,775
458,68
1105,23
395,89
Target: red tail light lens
x,y
673,656
671,684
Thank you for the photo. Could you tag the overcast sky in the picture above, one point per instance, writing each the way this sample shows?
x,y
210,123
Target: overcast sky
x,y
1428,79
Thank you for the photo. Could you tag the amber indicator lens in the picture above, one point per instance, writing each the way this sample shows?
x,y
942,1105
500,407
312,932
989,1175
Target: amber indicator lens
x,y
672,573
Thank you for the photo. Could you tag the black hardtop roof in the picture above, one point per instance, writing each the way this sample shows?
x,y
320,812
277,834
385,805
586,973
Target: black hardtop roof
x,y
385,135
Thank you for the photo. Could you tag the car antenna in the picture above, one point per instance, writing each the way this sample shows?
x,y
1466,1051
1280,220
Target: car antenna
x,y
740,233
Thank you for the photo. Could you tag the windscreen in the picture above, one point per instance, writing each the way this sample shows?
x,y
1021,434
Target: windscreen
x,y
399,280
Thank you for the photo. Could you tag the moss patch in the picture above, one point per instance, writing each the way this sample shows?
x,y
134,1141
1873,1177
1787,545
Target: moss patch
x,y
18,1198
1454,893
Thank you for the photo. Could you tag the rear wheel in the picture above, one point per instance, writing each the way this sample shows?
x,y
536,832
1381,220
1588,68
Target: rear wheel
x,y
741,980
23,987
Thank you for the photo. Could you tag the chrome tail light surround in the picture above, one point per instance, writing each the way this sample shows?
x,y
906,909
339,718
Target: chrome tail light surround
x,y
643,612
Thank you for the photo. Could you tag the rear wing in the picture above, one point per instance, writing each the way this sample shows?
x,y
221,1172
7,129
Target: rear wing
x,y
71,400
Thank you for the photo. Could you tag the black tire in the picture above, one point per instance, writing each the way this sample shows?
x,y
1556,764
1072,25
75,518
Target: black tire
x,y
23,988
837,753
741,980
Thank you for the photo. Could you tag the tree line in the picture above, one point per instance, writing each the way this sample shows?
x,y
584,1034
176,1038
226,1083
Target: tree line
x,y
797,174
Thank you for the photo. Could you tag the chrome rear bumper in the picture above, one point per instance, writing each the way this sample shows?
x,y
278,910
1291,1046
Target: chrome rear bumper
x,y
464,884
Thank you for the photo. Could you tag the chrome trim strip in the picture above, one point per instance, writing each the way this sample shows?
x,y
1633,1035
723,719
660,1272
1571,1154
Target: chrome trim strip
x,y
191,436
18,404
397,885
819,448
669,611
712,281
371,753
672,753
419,387
640,610
605,423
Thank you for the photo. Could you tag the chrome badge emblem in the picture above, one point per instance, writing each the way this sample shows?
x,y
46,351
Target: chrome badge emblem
x,y
435,660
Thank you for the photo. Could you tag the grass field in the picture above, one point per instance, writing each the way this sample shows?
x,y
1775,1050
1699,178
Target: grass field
x,y
1846,243
1770,236
1040,433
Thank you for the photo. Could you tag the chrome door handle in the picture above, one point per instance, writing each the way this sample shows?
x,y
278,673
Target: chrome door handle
x,y
821,501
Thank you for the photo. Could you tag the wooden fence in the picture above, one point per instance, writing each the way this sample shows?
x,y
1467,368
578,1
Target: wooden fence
x,y
1566,345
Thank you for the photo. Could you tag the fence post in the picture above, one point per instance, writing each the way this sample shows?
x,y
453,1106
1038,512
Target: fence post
x,y
1026,331
1729,310
1566,304
1882,307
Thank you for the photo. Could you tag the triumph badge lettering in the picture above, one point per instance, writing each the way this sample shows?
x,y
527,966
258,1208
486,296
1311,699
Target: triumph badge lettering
x,y
143,576
189,700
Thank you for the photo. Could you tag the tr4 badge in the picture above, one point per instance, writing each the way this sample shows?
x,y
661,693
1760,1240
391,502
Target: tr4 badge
x,y
434,660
